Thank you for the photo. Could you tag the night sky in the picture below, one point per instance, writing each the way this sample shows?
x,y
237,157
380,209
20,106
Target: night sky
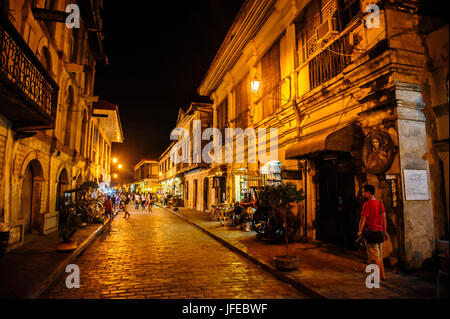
x,y
158,55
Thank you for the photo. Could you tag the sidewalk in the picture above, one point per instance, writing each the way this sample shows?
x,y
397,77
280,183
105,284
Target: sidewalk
x,y
26,272
326,270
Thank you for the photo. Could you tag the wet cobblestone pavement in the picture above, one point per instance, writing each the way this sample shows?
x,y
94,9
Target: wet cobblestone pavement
x,y
159,256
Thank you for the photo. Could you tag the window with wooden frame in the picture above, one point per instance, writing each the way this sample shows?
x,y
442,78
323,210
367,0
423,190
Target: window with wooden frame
x,y
222,117
94,146
271,78
349,11
242,101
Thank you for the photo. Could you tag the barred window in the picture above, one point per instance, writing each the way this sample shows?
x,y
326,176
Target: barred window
x,y
317,21
242,100
271,77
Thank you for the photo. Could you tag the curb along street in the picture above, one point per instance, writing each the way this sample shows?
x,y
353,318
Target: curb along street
x,y
60,269
279,275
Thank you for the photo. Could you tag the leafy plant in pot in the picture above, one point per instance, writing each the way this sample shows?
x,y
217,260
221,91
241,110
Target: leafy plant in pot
x,y
69,224
282,221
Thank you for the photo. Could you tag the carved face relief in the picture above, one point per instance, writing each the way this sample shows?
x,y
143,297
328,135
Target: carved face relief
x,y
377,152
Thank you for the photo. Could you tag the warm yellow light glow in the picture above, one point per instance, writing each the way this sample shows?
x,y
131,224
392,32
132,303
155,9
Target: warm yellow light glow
x,y
255,84
160,173
115,175
114,160
120,165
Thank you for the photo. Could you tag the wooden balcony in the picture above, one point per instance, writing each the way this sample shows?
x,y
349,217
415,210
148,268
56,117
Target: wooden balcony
x,y
28,94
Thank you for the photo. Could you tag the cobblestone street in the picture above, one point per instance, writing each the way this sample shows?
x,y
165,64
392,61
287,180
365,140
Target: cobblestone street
x,y
158,255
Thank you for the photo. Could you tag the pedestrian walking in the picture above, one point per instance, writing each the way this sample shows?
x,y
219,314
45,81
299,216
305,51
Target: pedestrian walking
x,y
143,201
108,205
150,204
136,202
373,223
124,209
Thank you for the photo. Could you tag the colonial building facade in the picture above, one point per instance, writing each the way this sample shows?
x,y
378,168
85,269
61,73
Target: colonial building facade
x,y
358,91
146,176
187,177
54,134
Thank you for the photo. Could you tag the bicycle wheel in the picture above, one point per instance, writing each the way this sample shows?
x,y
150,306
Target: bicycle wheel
x,y
259,222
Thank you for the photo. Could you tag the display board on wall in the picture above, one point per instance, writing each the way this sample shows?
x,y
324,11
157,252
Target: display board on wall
x,y
416,184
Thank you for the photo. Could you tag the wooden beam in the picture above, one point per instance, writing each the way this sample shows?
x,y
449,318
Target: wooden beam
x,y
49,15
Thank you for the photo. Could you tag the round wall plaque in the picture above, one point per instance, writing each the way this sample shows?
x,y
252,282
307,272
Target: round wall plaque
x,y
378,152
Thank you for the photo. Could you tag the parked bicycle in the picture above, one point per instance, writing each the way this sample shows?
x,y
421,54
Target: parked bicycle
x,y
269,226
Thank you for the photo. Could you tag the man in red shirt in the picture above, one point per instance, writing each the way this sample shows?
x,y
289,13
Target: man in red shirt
x,y
373,221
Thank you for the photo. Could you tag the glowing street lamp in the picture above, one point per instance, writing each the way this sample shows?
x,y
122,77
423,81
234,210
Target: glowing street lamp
x,y
256,84
115,175
120,166
115,160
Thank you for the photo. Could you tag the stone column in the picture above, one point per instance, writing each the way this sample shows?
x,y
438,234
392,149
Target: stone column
x,y
418,211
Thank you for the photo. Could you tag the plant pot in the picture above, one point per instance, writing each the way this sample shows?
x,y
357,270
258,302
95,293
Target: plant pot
x,y
67,246
4,239
286,263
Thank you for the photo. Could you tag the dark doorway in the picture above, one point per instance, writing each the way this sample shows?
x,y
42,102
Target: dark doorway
x,y
30,210
61,187
337,217
195,195
205,193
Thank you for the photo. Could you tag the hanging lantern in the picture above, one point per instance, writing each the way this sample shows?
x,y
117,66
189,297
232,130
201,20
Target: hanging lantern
x,y
256,84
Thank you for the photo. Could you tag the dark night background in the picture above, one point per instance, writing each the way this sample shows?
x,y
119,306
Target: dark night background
x,y
158,55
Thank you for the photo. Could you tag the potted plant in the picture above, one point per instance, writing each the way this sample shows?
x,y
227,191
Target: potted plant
x,y
70,222
281,221
4,238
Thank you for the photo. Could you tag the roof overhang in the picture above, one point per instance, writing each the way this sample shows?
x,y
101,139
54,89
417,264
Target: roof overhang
x,y
250,19
109,118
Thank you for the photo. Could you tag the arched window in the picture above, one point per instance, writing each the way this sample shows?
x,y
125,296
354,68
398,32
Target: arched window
x,y
50,5
74,46
83,134
47,59
70,101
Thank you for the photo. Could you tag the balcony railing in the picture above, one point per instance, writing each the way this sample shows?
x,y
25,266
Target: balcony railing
x,y
330,62
28,85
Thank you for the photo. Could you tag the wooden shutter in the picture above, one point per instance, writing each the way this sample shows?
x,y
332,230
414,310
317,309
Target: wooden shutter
x,y
271,77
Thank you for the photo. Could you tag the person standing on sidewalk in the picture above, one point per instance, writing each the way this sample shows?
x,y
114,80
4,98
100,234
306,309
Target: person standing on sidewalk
x,y
373,222
108,205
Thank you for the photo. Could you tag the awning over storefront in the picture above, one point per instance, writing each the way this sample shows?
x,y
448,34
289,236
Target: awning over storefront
x,y
347,139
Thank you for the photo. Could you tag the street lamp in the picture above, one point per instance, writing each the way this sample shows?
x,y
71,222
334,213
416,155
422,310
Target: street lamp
x,y
256,84
119,166
115,175
115,160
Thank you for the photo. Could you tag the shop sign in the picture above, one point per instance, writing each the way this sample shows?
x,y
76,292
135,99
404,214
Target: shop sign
x,y
393,183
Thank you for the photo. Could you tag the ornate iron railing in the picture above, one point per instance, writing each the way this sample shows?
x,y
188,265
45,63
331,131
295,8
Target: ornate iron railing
x,y
22,69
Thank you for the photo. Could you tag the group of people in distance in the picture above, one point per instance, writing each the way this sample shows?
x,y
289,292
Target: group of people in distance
x,y
119,202
144,200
